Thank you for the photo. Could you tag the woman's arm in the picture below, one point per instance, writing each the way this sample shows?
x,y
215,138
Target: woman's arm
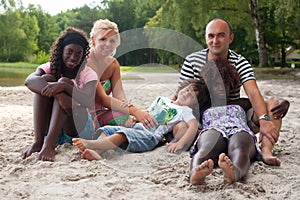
x,y
38,80
116,82
117,105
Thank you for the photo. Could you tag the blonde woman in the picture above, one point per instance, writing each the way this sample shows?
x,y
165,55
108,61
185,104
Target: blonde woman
x,y
110,101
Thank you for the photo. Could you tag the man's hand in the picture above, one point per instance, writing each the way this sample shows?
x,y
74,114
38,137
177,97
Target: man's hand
x,y
268,130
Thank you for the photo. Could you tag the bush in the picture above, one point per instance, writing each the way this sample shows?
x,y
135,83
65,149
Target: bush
x,y
41,57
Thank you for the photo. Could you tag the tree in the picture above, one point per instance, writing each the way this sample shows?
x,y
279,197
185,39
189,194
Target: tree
x,y
260,40
282,25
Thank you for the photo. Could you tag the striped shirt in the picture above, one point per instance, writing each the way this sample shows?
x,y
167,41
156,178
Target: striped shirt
x,y
194,62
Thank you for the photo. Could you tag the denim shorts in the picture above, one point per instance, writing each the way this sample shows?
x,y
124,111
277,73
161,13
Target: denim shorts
x,y
139,138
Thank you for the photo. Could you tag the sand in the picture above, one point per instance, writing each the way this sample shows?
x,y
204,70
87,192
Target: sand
x,y
150,175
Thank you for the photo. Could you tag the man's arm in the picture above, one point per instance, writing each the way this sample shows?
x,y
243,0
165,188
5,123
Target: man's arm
x,y
267,128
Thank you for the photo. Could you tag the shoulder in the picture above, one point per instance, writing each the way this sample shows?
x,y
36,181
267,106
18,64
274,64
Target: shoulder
x,y
89,73
237,58
45,67
198,54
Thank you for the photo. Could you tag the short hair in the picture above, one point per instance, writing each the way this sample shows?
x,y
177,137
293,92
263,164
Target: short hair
x,y
227,22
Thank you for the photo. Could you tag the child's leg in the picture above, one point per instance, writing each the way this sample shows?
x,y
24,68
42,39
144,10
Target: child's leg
x,y
241,150
42,108
210,144
90,155
106,143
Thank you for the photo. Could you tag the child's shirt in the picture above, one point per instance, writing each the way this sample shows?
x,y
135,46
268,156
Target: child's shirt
x,y
168,115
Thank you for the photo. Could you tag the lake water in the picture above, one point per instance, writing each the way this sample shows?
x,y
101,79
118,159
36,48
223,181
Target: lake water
x,y
10,76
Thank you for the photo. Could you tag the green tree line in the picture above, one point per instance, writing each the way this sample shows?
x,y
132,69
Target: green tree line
x,y
263,29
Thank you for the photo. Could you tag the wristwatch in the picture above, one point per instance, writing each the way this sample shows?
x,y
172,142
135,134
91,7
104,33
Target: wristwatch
x,y
265,117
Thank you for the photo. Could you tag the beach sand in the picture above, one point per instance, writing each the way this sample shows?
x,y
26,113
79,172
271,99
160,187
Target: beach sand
x,y
150,175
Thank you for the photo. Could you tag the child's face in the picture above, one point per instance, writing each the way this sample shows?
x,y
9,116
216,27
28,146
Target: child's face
x,y
72,55
187,96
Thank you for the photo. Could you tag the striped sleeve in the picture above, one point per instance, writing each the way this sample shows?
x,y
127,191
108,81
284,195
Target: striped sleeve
x,y
192,65
242,66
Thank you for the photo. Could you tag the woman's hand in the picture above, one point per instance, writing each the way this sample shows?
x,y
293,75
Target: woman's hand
x,y
52,89
131,121
144,117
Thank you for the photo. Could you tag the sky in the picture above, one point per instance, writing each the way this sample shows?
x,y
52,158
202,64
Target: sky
x,y
54,7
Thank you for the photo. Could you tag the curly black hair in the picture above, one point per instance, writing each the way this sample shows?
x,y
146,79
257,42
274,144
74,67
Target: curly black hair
x,y
56,51
220,68
210,73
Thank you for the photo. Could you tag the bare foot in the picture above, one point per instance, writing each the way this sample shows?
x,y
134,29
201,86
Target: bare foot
x,y
198,174
47,154
226,165
35,147
89,155
79,143
269,159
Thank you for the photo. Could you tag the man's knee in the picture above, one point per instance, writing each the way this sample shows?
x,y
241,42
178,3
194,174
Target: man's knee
x,y
270,103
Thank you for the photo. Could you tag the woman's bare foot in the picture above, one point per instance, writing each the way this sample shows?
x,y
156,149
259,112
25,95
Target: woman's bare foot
x,y
226,165
47,154
198,174
79,143
89,155
35,147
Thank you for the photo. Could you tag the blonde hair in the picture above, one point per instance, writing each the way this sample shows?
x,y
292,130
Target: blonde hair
x,y
104,25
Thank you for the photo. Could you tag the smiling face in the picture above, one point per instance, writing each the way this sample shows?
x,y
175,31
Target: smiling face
x,y
72,55
218,37
105,43
187,96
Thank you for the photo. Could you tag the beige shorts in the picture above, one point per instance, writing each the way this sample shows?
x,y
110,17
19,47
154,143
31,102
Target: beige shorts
x,y
250,123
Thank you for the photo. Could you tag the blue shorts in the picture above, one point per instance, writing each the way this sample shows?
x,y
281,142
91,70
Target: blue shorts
x,y
139,138
86,133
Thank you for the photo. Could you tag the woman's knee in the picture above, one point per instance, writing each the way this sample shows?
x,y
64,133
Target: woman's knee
x,y
65,80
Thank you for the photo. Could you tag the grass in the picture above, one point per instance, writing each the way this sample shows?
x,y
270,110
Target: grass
x,y
18,65
17,69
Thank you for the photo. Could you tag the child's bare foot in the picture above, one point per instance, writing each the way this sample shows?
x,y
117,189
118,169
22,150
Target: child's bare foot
x,y
35,147
79,143
89,155
226,165
198,174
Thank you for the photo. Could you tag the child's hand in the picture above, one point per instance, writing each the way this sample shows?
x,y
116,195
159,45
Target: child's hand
x,y
174,147
131,121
